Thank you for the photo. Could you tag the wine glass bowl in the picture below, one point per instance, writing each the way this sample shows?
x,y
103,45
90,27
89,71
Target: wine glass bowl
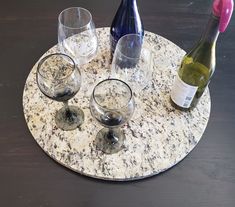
x,y
59,79
77,35
132,61
112,105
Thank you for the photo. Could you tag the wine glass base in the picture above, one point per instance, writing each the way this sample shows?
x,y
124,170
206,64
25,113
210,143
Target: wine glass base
x,y
70,119
110,141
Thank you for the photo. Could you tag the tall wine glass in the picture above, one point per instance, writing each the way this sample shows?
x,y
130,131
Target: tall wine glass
x,y
77,35
112,104
132,61
59,79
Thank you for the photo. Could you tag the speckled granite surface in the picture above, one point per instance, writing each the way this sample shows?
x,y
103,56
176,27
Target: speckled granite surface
x,y
158,136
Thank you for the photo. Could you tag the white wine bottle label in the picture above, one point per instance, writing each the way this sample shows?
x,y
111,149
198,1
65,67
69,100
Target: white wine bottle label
x,y
182,93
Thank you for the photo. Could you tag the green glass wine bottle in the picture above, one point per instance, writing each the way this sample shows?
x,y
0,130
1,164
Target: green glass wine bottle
x,y
198,65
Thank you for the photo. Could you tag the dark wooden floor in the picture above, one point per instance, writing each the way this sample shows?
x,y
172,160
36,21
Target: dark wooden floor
x,y
29,178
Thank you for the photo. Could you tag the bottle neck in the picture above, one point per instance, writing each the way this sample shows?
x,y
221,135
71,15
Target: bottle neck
x,y
212,30
129,2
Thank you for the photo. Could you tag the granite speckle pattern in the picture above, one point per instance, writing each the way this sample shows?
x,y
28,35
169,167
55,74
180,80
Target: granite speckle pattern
x,y
157,137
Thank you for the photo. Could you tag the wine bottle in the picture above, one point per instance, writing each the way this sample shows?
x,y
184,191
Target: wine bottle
x,y
126,21
198,65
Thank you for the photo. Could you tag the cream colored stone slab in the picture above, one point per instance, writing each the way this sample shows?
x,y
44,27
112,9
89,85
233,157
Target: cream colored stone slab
x,y
157,136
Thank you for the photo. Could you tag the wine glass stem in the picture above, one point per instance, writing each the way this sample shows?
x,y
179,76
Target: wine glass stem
x,y
67,110
112,137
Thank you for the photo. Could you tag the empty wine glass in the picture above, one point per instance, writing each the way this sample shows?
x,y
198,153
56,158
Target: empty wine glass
x,y
112,104
77,35
59,79
132,61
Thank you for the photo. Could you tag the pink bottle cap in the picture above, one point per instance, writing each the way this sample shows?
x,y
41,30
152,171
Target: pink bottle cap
x,y
224,10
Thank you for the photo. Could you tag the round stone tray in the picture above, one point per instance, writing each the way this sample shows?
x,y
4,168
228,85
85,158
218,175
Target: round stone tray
x,y
157,137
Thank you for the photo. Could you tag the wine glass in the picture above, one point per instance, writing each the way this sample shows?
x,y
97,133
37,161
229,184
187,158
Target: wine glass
x,y
77,35
112,104
59,79
132,62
